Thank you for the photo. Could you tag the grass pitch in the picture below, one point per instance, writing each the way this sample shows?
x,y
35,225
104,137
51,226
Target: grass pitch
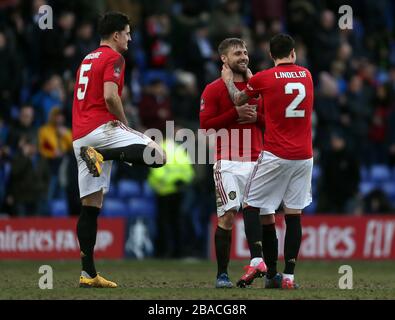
x,y
178,280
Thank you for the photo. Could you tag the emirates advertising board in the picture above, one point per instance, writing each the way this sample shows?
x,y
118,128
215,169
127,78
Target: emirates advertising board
x,y
324,237
55,238
327,237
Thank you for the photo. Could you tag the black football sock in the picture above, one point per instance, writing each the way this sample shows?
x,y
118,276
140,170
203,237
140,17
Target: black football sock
x,y
133,153
253,231
270,249
86,232
223,239
293,239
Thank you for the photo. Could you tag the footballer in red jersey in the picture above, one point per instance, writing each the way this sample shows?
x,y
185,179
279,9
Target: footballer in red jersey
x,y
284,169
238,146
101,134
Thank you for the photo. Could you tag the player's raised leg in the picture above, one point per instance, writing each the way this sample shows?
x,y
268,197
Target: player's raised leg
x,y
150,154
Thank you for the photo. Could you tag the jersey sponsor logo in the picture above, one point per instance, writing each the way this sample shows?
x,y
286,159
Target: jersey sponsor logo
x,y
232,195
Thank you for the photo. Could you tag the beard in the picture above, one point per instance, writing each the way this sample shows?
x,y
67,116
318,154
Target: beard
x,y
236,68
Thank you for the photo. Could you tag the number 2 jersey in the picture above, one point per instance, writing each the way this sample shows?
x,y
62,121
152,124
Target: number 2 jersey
x,y
89,107
288,93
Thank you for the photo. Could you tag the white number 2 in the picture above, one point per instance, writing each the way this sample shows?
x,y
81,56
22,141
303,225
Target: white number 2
x,y
290,112
83,80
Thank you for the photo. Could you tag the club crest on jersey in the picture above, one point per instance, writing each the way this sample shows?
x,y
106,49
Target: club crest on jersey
x,y
117,71
232,195
202,104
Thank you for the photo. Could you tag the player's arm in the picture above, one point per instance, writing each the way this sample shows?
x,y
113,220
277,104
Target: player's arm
x,y
114,102
238,97
209,116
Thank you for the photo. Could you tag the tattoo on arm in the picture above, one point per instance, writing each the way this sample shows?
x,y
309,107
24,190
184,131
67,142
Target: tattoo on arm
x,y
238,97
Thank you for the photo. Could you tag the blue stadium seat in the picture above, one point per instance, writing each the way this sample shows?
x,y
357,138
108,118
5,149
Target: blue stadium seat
x,y
314,187
58,208
147,190
129,188
316,172
366,186
142,207
113,207
364,172
112,192
389,189
380,173
311,208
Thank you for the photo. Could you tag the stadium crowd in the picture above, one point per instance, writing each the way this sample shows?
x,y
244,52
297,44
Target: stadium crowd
x,y
172,57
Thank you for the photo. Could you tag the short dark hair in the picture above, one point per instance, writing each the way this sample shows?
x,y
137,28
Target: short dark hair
x,y
281,46
230,42
112,22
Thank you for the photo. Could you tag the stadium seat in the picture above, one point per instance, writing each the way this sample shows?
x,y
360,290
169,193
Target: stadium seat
x,y
112,192
311,208
380,173
142,207
128,188
113,207
147,190
314,188
58,208
316,172
364,172
389,189
366,186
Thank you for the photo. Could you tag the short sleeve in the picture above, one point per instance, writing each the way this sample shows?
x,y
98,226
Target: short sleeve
x,y
254,85
113,69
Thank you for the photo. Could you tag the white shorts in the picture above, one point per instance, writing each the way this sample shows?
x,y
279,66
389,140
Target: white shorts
x,y
275,180
113,134
230,179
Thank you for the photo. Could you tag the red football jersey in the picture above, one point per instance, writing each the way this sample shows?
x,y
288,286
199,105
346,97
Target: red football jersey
x,y
217,111
89,107
288,95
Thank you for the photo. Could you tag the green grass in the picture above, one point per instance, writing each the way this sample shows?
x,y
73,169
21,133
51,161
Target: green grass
x,y
164,279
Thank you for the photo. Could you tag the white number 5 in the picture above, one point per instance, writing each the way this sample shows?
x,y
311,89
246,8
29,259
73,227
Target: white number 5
x,y
290,112
83,80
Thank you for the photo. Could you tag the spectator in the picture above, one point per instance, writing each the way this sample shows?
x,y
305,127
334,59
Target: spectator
x,y
58,45
51,94
360,112
9,75
377,202
29,180
327,109
24,127
326,42
155,106
168,182
185,98
55,142
226,22
340,178
201,56
85,42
